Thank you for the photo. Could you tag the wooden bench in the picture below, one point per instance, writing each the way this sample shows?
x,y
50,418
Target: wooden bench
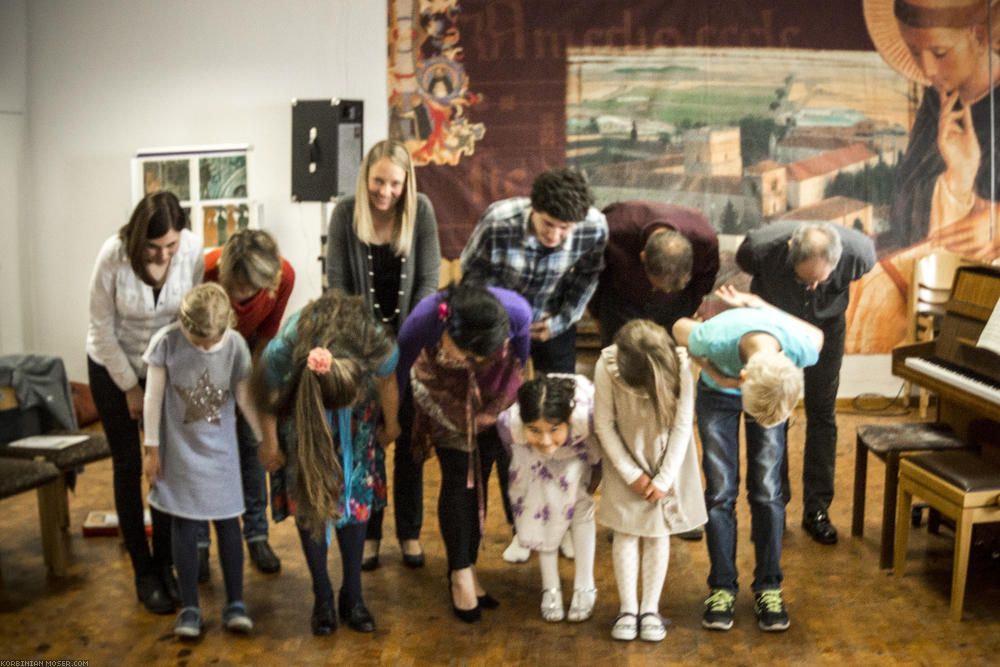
x,y
20,475
53,501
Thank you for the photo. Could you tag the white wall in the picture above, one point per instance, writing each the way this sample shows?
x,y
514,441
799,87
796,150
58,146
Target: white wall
x,y
13,97
105,77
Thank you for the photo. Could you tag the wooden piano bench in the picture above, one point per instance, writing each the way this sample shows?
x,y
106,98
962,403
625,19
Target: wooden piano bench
x,y
888,442
17,476
963,486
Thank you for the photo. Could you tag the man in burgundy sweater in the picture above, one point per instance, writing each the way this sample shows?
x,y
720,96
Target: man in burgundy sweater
x,y
661,259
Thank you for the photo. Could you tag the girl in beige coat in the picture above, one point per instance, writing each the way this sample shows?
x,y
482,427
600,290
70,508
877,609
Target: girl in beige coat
x,y
644,405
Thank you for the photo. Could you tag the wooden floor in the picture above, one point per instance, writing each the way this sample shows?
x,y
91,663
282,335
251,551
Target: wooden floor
x,y
843,609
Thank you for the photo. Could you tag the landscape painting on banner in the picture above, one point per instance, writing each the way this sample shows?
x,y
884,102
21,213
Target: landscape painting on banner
x,y
752,112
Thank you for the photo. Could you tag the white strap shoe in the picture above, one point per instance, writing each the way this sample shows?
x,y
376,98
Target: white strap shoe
x,y
652,627
625,628
515,553
582,606
552,605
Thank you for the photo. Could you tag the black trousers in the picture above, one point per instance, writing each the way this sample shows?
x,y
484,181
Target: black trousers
x,y
407,482
556,355
820,456
458,505
126,462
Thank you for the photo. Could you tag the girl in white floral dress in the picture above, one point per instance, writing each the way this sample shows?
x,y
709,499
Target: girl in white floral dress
x,y
554,470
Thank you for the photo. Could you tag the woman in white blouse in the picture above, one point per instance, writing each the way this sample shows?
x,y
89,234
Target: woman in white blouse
x,y
142,272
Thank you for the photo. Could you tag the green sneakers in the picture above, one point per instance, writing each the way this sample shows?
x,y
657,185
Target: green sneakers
x,y
719,610
770,609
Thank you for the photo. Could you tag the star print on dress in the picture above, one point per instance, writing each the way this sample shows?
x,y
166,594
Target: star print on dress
x,y
203,401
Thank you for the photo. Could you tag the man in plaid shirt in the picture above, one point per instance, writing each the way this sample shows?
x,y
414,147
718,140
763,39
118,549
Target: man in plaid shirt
x,y
550,249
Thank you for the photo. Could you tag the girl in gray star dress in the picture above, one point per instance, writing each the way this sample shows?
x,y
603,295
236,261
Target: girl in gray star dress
x,y
198,372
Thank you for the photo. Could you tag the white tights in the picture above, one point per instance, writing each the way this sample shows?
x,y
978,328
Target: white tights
x,y
582,530
655,556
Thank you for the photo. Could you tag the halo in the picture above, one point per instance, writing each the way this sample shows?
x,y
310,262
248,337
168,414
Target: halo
x,y
884,31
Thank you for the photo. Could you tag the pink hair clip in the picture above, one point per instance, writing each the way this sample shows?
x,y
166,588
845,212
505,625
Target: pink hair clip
x,y
442,311
319,360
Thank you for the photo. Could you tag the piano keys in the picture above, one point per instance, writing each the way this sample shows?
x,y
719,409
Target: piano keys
x,y
965,377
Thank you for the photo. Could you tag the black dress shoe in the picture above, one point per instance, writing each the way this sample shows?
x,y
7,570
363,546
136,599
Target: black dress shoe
x,y
818,525
413,560
323,621
149,590
263,557
370,563
357,617
170,586
487,601
204,573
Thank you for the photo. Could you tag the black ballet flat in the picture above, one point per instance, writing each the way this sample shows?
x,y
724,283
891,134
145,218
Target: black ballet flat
x,y
487,601
323,621
413,560
369,564
358,618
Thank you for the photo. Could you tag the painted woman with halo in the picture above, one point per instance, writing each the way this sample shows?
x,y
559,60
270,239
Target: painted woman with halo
x,y
383,244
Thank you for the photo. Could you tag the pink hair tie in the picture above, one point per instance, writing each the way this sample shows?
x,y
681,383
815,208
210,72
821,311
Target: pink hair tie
x,y
442,311
319,360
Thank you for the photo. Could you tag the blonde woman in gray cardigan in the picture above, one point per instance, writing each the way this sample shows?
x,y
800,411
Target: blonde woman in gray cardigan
x,y
383,245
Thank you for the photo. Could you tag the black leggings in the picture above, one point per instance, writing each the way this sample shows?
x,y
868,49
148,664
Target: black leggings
x,y
458,505
185,547
126,461
351,541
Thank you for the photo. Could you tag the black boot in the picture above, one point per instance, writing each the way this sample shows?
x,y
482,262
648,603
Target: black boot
x,y
149,590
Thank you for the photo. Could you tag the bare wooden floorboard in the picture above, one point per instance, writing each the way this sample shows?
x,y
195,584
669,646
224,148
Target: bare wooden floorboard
x,y
843,608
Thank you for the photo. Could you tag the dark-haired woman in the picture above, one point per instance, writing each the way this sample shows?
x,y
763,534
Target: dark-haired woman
x,y
140,277
462,351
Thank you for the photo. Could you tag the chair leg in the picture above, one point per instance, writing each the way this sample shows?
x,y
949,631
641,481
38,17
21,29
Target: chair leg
x,y
889,509
903,500
960,569
860,481
924,401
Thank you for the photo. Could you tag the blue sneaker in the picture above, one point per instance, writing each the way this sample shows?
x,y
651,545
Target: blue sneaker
x,y
188,623
235,618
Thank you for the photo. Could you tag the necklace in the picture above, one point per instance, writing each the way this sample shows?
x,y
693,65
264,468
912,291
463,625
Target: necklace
x,y
371,287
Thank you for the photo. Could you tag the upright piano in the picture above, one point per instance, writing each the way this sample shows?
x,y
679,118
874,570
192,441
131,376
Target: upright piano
x,y
965,377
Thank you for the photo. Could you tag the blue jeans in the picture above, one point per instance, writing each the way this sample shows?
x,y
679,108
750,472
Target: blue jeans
x,y
254,488
719,427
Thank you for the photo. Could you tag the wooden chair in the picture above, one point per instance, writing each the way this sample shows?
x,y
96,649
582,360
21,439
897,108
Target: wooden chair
x,y
961,485
930,288
888,442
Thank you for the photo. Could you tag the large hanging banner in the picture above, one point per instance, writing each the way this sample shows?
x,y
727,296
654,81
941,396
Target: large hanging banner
x,y
874,114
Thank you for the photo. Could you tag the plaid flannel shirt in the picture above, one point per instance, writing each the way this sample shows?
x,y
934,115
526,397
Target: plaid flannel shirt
x,y
557,282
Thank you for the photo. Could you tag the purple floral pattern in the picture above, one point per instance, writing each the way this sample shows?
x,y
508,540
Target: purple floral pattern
x,y
546,491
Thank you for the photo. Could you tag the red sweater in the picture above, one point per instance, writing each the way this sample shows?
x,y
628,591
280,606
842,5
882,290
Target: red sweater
x,y
260,317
